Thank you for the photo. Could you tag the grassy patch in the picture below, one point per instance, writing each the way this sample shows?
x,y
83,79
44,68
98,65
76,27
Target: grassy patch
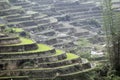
x,y
2,25
83,42
18,30
41,48
71,56
24,41
59,52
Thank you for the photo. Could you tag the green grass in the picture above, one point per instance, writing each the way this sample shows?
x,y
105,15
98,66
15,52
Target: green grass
x,y
83,42
2,25
18,30
59,52
41,48
24,41
71,56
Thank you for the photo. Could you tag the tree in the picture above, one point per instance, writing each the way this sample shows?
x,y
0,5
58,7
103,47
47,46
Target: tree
x,y
112,30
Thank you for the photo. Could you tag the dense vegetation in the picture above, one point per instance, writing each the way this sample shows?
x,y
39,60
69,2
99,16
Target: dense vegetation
x,y
112,29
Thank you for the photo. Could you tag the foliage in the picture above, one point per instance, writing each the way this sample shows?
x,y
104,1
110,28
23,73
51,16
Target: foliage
x,y
9,30
84,54
104,72
82,50
112,29
83,42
